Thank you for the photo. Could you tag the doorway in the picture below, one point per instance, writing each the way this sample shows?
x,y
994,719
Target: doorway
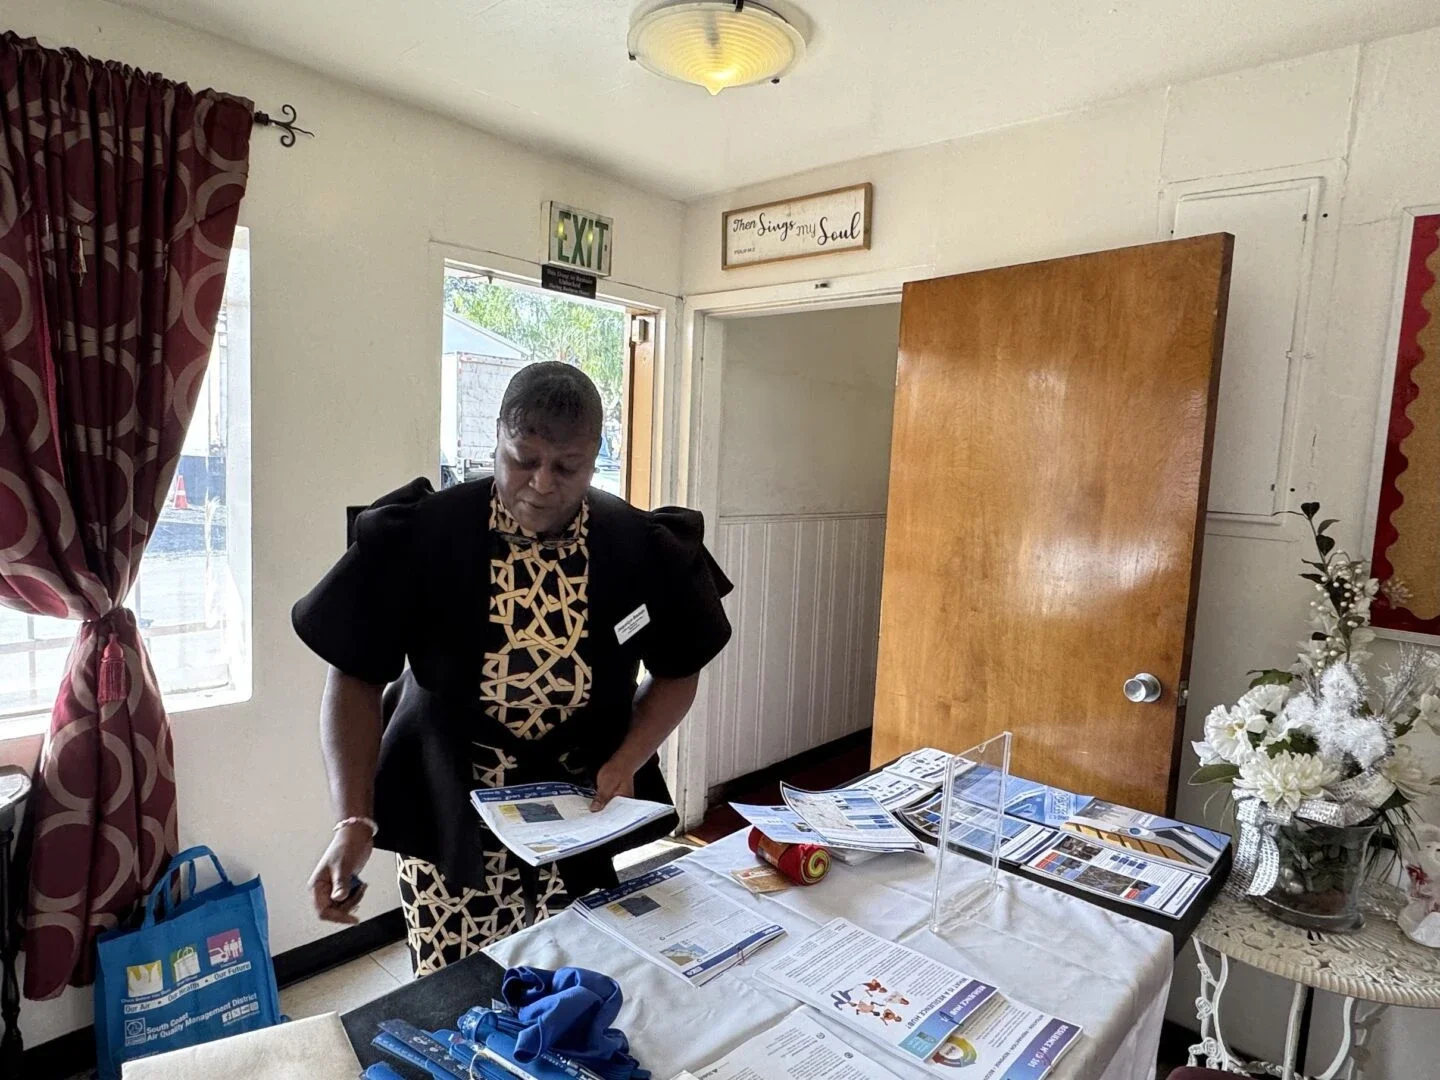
x,y
495,326
801,471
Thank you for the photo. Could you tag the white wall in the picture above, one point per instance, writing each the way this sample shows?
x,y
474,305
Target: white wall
x,y
1095,179
806,402
804,466
346,380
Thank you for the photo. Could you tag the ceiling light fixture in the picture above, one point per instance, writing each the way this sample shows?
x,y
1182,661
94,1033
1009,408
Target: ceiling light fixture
x,y
715,43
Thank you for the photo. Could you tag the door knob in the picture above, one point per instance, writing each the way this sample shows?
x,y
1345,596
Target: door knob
x,y
1142,688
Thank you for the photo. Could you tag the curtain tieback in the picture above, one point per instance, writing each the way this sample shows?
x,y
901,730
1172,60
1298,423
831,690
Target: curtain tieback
x,y
113,673
114,683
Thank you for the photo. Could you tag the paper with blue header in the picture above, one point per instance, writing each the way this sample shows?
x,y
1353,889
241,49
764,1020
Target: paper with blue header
x,y
930,1014
674,919
542,823
891,994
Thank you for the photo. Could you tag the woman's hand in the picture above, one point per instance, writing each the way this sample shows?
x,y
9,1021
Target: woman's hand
x,y
616,777
346,856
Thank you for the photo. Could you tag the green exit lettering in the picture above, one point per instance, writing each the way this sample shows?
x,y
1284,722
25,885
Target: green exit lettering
x,y
580,241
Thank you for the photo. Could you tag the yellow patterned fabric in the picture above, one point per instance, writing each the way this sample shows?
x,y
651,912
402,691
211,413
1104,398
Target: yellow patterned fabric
x,y
531,684
538,595
446,922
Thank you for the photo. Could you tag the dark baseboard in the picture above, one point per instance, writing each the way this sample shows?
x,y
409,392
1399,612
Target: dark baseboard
x,y
307,961
771,774
74,1052
1176,1040
1175,1043
60,1059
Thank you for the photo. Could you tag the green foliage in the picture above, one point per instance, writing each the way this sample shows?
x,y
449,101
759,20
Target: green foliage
x,y
1270,677
550,327
1297,742
1219,773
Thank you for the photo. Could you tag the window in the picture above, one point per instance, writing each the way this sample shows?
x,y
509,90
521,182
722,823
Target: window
x,y
494,328
192,598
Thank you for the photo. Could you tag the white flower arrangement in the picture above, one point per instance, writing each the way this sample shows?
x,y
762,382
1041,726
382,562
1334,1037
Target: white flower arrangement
x,y
1322,741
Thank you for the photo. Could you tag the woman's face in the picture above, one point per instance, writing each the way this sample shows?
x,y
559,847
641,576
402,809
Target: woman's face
x,y
542,483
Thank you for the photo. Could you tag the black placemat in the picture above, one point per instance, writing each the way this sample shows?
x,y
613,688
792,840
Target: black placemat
x,y
434,1002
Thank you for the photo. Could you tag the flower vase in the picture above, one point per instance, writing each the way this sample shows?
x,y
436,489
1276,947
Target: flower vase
x,y
1321,871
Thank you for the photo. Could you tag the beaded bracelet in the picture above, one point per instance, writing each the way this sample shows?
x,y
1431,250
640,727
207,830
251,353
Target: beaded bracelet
x,y
369,823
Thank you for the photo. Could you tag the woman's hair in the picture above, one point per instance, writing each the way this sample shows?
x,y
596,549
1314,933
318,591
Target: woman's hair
x,y
552,401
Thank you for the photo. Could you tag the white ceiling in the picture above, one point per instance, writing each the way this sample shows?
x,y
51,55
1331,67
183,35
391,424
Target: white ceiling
x,y
880,75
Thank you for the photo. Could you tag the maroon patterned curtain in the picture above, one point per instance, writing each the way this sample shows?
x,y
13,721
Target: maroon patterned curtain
x,y
119,193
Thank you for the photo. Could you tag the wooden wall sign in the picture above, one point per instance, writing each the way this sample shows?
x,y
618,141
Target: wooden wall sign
x,y
821,224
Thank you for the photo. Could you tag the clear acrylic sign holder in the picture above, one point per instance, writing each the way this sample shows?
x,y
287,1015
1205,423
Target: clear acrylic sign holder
x,y
972,816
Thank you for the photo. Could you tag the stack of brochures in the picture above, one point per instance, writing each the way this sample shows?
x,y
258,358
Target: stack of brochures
x,y
674,919
901,1001
847,818
543,823
1142,859
910,779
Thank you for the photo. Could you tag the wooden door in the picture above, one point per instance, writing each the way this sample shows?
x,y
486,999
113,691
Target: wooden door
x,y
1048,477
639,408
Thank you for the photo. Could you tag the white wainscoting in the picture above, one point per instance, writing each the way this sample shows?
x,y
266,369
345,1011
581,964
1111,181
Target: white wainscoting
x,y
800,670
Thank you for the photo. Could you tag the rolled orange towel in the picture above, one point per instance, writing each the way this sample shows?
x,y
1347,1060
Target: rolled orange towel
x,y
804,864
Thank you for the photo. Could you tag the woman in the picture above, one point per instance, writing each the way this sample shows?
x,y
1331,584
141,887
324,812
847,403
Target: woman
x,y
525,604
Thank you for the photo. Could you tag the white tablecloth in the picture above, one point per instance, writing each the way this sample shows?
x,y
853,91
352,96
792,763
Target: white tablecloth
x,y
1107,973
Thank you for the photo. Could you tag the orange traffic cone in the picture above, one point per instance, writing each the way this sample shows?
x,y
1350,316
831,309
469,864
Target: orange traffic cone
x,y
181,502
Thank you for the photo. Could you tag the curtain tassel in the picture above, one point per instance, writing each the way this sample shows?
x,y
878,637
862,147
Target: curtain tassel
x,y
112,673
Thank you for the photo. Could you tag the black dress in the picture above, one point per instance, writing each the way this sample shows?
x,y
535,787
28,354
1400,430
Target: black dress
x,y
516,674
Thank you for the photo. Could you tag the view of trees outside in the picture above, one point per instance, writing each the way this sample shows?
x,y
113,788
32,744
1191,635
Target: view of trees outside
x,y
548,326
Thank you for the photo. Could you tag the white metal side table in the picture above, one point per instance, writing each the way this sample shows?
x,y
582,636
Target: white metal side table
x,y
1371,968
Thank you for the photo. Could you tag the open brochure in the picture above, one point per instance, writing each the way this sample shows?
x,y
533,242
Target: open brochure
x,y
973,827
1147,883
1024,799
542,823
894,996
779,823
894,790
795,1049
847,819
927,765
1150,835
673,918
1001,1041
1005,1040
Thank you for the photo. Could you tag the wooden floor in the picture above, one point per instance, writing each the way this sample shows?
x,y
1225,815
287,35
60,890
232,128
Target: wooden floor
x,y
763,789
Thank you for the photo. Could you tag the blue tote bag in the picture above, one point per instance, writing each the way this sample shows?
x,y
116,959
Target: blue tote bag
x,y
192,972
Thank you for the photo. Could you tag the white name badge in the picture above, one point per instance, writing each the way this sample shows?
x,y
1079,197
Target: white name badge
x,y
632,624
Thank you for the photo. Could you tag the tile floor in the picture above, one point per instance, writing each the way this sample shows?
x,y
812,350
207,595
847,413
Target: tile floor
x,y
348,986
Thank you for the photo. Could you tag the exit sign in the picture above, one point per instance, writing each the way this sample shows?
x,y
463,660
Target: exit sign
x,y
579,238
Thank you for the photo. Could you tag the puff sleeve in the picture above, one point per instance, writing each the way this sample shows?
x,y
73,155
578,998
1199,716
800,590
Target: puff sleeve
x,y
356,619
690,626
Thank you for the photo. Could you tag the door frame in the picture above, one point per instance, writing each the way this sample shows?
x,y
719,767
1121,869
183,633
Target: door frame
x,y
665,308
694,459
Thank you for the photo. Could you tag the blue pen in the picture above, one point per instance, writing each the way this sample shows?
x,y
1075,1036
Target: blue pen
x,y
476,1023
408,1043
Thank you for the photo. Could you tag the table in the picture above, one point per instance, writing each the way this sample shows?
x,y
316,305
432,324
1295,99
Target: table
x,y
1371,968
1106,972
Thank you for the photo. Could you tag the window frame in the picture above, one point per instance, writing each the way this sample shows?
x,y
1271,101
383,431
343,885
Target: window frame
x,y
237,392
